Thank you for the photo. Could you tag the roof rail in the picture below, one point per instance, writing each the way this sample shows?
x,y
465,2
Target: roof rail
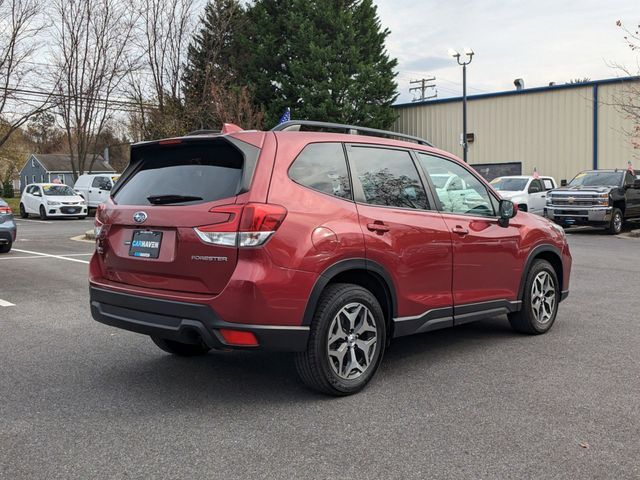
x,y
201,132
348,129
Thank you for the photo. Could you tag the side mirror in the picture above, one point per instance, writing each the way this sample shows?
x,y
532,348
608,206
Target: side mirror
x,y
563,182
506,212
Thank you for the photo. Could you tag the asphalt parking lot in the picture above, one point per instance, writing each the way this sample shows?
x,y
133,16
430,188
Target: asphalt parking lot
x,y
82,400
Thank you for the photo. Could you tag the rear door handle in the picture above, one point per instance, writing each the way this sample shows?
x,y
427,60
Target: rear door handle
x,y
377,227
460,230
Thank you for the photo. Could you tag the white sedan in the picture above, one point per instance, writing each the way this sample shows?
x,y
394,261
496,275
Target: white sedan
x,y
526,191
51,200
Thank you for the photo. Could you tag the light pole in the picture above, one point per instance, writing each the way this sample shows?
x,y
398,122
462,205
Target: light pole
x,y
468,53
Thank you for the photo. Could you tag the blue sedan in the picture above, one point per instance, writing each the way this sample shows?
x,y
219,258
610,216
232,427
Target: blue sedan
x,y
8,227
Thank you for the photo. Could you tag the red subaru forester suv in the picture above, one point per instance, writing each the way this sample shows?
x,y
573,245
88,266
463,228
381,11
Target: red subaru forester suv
x,y
320,239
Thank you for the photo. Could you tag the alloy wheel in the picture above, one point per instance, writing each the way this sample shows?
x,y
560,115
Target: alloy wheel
x,y
543,297
617,222
352,341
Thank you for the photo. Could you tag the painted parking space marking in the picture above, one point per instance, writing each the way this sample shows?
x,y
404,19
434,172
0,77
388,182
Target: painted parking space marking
x,y
20,220
60,257
4,303
22,257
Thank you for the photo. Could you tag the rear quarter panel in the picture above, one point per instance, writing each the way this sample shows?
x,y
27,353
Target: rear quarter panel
x,y
319,229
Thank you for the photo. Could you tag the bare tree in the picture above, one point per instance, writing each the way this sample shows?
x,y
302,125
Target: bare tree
x,y
163,44
20,28
628,102
92,42
235,105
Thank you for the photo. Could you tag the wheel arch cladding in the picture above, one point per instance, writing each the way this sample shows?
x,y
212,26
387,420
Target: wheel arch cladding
x,y
543,252
367,274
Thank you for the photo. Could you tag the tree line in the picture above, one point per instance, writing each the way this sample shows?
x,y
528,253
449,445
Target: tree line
x,y
78,75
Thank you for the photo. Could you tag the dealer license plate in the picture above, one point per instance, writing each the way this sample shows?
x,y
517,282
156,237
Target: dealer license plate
x,y
145,244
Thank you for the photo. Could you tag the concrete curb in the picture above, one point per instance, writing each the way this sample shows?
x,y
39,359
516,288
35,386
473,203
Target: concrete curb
x,y
634,233
90,235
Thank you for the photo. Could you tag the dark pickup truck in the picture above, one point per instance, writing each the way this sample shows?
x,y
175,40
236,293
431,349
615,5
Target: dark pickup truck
x,y
599,198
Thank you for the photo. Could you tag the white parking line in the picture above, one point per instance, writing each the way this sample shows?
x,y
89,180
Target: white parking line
x,y
4,303
40,257
20,220
60,257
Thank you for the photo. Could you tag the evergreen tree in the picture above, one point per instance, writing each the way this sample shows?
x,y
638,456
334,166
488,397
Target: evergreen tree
x,y
325,59
211,59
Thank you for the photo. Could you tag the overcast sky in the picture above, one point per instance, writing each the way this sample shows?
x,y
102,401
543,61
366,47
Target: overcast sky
x,y
540,41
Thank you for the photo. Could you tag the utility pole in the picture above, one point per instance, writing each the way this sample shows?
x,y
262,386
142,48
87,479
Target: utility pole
x,y
424,86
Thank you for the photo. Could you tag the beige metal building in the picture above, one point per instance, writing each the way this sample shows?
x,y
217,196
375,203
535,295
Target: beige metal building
x,y
560,130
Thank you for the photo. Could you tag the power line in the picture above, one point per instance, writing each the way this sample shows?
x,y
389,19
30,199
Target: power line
x,y
424,86
44,93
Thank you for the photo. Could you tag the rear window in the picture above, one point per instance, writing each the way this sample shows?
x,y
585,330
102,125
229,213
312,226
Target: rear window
x,y
183,174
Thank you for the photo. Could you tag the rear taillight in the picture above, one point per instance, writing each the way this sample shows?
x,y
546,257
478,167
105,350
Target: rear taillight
x,y
246,226
5,211
100,229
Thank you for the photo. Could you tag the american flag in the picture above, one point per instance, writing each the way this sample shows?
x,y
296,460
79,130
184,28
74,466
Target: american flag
x,y
286,116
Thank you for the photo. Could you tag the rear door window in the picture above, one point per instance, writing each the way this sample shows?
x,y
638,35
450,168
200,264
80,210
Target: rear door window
x,y
182,174
387,177
323,167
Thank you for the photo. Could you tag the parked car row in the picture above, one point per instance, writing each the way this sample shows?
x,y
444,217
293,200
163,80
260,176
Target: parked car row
x,y
59,200
598,198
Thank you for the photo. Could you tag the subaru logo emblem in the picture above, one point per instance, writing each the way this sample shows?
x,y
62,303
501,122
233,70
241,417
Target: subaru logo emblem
x,y
139,217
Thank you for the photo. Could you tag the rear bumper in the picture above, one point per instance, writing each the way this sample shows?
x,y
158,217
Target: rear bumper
x,y
186,322
7,235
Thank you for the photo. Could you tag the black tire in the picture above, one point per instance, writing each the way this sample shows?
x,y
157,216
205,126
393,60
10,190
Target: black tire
x,y
23,212
315,367
181,349
523,207
526,320
43,213
617,220
6,248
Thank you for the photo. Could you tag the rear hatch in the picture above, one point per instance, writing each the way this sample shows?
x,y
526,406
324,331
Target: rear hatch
x,y
146,231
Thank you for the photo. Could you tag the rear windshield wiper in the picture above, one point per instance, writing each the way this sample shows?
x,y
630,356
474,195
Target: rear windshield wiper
x,y
167,199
